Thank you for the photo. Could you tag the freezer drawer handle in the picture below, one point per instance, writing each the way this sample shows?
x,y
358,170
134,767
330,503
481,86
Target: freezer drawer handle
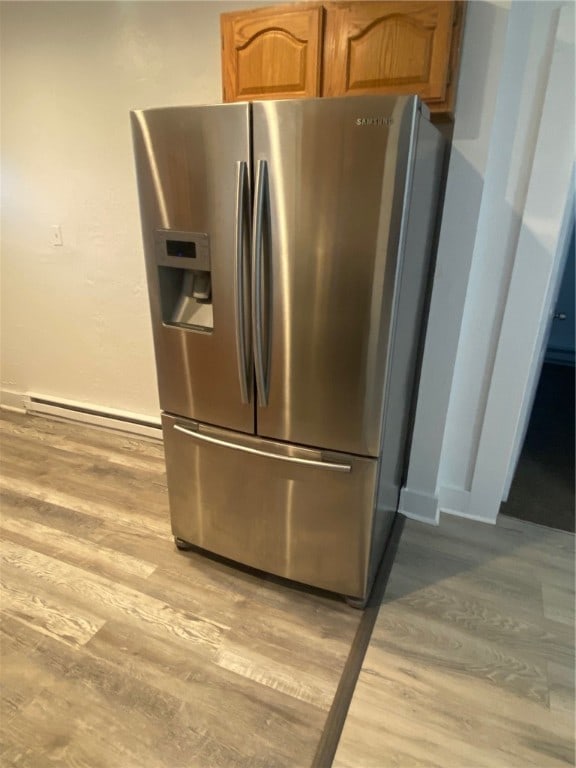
x,y
239,287
266,454
257,276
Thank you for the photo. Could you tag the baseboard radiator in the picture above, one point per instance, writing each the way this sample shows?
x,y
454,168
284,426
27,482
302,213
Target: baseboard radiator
x,y
123,421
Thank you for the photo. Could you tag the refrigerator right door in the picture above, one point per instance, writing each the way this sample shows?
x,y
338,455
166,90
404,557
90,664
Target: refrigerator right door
x,y
331,183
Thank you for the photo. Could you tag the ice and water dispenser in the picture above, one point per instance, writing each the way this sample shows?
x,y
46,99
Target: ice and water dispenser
x,y
185,279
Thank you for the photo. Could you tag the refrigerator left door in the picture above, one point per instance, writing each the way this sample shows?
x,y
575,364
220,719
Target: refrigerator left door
x,y
193,168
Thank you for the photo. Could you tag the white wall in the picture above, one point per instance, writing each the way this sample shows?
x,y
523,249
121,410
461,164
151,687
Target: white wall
x,y
74,319
544,236
480,68
515,129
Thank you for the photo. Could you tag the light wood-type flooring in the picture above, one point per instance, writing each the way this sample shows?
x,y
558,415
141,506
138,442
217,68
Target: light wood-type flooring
x,y
120,652
471,661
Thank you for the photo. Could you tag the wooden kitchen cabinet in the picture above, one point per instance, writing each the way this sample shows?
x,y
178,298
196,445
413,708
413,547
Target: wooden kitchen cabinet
x,y
272,52
389,47
344,48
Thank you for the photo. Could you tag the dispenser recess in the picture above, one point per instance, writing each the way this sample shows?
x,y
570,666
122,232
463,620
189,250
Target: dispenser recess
x,y
185,279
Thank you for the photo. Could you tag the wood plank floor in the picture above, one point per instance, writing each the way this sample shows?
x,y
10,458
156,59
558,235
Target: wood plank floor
x,y
120,651
117,651
471,662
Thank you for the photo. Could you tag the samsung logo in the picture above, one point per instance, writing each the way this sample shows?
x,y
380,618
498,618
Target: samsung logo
x,y
373,121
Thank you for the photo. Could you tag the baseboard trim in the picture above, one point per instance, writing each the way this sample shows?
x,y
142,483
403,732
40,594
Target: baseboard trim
x,y
470,516
426,508
11,400
419,506
454,501
458,503
83,413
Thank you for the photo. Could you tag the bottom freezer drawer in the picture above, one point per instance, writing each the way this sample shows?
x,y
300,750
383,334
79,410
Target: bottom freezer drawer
x,y
299,513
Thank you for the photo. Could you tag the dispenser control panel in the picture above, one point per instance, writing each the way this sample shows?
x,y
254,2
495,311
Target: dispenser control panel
x,y
183,250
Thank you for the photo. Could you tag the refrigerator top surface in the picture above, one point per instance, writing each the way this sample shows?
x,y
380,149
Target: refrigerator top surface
x,y
385,100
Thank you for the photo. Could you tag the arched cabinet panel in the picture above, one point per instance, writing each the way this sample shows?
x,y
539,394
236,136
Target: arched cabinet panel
x,y
391,51
389,47
272,52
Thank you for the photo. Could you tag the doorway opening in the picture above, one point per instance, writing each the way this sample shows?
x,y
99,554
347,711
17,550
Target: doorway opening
x,y
543,487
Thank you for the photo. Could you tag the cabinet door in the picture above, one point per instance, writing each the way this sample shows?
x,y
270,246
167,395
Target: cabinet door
x,y
388,47
272,53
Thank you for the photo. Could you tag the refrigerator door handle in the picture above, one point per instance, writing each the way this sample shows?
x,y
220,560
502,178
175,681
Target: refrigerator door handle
x,y
257,299
266,454
239,287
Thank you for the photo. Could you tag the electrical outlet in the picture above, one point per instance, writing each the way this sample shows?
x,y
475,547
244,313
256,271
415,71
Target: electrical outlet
x,y
56,235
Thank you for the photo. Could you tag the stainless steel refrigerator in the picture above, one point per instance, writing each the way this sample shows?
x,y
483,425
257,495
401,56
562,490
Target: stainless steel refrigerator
x,y
287,246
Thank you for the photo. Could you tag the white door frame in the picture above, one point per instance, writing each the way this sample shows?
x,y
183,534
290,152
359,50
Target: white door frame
x,y
545,229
